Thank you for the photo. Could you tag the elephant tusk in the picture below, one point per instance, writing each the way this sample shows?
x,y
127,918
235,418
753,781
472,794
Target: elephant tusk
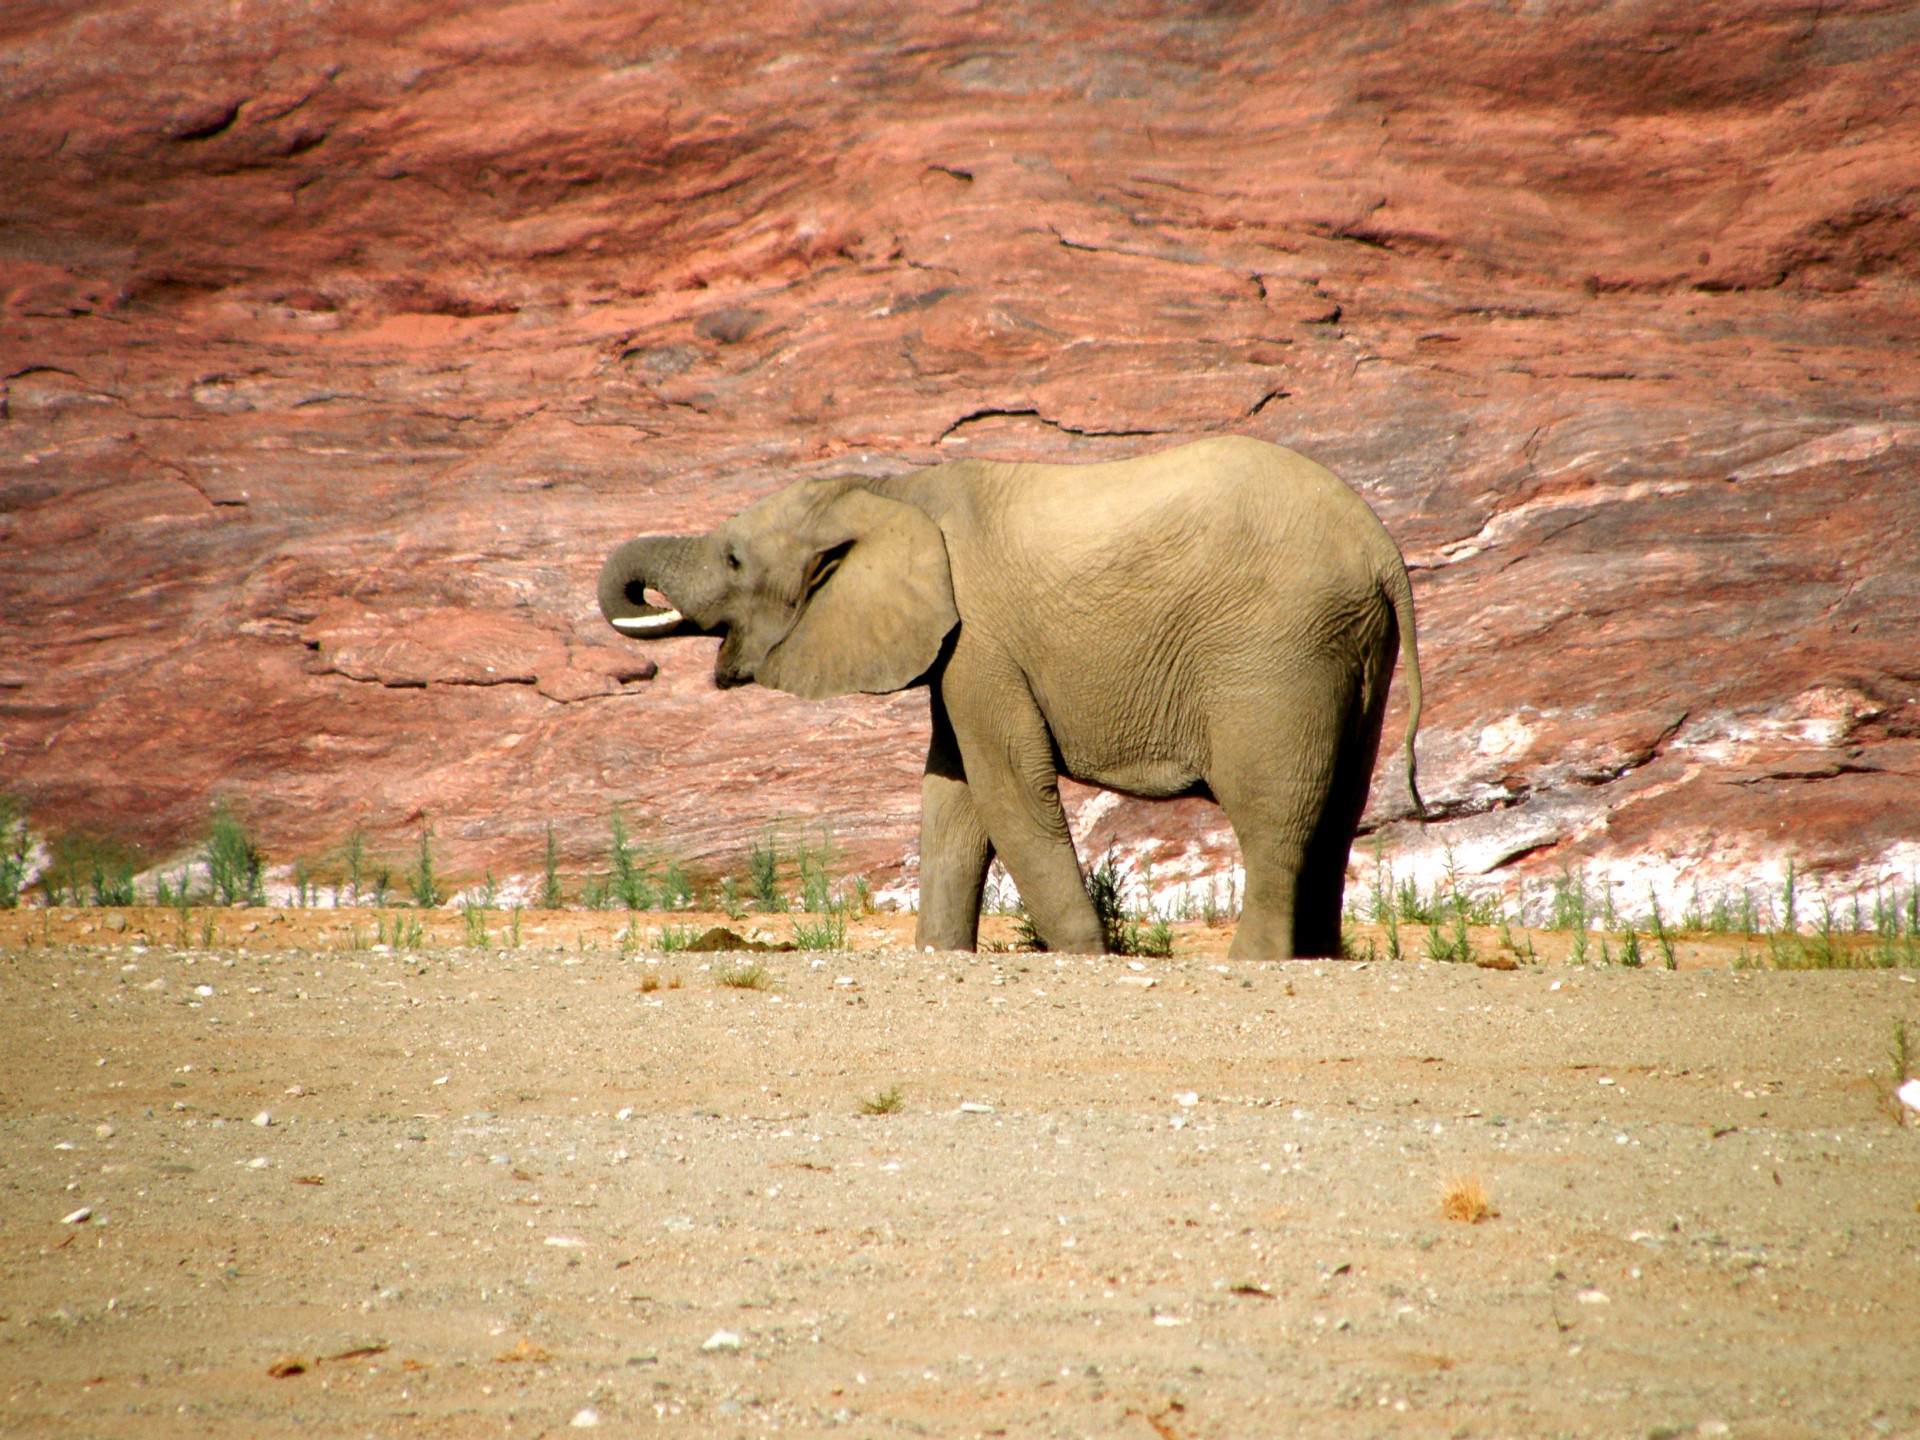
x,y
657,624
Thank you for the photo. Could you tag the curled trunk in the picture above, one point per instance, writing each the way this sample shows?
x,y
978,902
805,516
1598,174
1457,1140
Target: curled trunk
x,y
667,566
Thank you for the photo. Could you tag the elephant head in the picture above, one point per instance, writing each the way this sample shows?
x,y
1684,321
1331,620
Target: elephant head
x,y
820,589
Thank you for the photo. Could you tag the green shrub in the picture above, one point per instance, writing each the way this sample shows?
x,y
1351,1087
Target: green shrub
x,y
829,932
353,861
15,847
551,897
676,889
234,863
816,878
626,881
1570,908
1660,935
422,883
1139,932
763,867
178,894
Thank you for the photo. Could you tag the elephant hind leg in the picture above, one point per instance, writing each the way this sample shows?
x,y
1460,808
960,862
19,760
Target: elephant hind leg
x,y
1323,871
1292,784
1273,791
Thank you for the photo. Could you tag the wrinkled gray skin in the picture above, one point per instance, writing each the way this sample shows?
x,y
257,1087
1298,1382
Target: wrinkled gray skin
x,y
1218,619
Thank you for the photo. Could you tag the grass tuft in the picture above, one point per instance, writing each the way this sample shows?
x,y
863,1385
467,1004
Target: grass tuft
x,y
1465,1199
749,975
890,1101
829,932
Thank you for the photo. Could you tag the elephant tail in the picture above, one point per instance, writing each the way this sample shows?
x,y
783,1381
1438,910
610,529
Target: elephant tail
x,y
1400,591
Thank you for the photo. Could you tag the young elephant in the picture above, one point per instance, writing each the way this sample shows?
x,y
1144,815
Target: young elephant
x,y
1220,619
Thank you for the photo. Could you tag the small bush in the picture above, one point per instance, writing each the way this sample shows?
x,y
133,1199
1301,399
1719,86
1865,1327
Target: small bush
x,y
1216,911
88,870
763,866
422,883
1570,908
672,939
890,1101
676,890
15,847
353,861
474,918
1142,932
551,897
233,861
178,894
1660,936
816,881
1630,955
625,877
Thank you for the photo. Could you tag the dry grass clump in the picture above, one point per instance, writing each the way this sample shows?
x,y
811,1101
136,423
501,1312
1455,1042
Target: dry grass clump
x,y
750,976
1465,1199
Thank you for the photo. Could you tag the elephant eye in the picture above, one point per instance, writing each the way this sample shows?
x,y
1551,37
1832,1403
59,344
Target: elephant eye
x,y
733,558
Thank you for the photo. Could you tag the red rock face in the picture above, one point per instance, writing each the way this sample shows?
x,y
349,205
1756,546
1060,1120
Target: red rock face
x,y
340,344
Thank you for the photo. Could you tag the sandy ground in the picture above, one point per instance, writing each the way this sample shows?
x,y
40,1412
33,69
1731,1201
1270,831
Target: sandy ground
x,y
523,1191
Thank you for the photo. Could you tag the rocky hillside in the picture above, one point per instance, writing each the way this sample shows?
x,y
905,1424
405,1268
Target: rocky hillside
x,y
341,341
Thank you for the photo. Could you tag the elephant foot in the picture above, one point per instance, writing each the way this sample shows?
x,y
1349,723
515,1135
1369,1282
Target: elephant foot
x,y
946,937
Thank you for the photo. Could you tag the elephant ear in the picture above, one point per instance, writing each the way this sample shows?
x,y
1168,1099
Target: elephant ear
x,y
878,602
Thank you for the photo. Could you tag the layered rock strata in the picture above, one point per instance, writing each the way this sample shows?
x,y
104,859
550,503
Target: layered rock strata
x,y
339,345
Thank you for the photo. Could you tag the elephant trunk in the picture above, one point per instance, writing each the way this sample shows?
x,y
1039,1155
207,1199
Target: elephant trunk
x,y
666,564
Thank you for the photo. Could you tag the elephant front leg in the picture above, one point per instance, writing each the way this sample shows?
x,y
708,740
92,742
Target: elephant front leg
x,y
1012,783
954,849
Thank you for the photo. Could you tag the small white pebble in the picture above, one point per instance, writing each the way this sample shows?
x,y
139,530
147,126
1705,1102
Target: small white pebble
x,y
585,1419
263,1119
721,1340
203,990
78,1217
103,1131
1187,1100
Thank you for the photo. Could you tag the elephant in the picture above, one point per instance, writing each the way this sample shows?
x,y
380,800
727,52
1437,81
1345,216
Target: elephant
x,y
1221,619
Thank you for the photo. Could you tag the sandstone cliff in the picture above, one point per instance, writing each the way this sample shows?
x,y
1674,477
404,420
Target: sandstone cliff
x,y
340,342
